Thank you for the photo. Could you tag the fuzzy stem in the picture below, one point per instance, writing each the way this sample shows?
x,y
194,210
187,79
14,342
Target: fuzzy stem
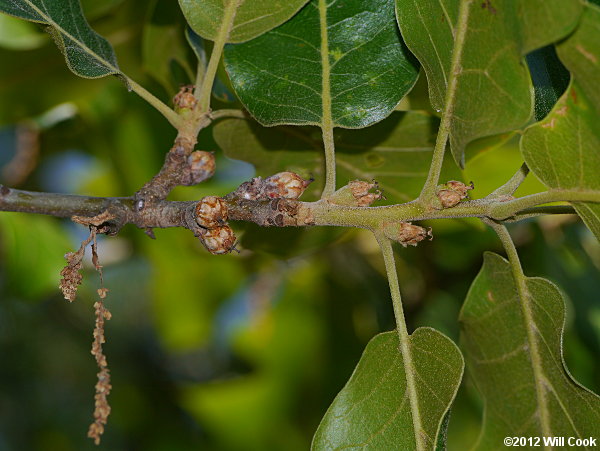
x,y
213,64
403,336
219,114
526,308
174,119
330,181
172,214
509,188
326,120
444,131
503,210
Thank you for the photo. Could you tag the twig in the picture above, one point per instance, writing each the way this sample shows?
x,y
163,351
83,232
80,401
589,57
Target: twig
x,y
163,214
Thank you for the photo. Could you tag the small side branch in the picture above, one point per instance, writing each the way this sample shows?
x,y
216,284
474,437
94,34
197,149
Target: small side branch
x,y
182,166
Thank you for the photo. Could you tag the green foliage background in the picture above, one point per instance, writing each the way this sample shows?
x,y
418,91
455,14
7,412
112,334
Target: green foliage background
x,y
238,352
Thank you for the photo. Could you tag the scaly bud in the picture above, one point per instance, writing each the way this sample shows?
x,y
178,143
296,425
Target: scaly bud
x,y
356,194
211,212
288,185
406,233
201,167
448,198
184,100
360,192
219,240
452,193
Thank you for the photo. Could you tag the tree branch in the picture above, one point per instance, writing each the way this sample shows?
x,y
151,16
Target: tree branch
x,y
278,212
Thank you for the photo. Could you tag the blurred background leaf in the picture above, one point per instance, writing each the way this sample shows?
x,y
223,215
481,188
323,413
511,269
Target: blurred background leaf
x,y
279,334
395,152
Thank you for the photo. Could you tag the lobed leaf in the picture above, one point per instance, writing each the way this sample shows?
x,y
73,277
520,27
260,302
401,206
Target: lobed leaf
x,y
252,17
563,151
373,410
342,64
492,92
517,363
87,53
580,53
395,152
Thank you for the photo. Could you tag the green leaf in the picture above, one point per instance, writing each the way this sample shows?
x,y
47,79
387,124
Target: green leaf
x,y
87,53
489,90
395,152
581,54
252,18
34,245
164,44
563,150
334,64
517,364
373,410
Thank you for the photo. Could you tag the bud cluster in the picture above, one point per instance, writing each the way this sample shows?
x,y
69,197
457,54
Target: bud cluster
x,y
361,192
452,193
357,193
211,215
406,233
286,185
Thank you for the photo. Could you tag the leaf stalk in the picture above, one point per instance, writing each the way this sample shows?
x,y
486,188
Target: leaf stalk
x,y
526,308
208,80
404,338
439,150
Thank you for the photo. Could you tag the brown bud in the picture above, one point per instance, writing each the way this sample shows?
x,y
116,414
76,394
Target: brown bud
x,y
184,100
360,192
201,167
459,187
211,211
219,240
288,185
448,198
406,233
452,193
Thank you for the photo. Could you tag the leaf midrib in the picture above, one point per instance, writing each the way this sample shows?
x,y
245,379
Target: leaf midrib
x,y
84,47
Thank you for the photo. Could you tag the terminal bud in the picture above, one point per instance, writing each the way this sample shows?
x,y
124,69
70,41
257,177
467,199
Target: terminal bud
x,y
185,100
